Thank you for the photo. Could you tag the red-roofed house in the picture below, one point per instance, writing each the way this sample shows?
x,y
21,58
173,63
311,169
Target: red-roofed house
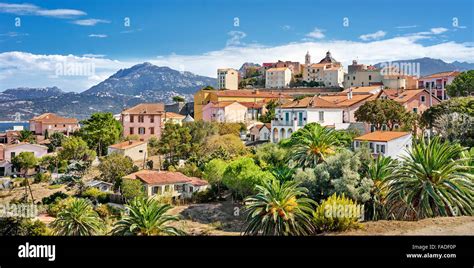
x,y
144,120
53,123
136,150
260,132
175,184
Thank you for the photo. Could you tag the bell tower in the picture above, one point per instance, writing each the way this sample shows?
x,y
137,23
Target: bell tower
x,y
307,58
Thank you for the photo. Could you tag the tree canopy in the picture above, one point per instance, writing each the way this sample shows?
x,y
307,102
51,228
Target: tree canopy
x,y
100,131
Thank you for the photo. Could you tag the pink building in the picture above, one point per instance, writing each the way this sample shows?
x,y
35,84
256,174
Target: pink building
x,y
8,152
144,120
438,83
53,123
414,100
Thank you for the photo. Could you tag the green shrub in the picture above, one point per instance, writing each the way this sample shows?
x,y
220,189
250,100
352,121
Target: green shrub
x,y
42,177
95,194
57,206
205,196
13,226
54,197
337,213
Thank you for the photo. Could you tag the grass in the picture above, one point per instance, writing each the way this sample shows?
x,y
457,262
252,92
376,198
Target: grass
x,y
55,186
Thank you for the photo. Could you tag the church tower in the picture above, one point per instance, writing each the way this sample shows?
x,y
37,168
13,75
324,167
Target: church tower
x,y
307,58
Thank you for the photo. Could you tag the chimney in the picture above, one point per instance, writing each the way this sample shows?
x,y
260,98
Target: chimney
x,y
349,94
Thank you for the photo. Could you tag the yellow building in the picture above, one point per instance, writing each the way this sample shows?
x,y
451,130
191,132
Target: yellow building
x,y
203,97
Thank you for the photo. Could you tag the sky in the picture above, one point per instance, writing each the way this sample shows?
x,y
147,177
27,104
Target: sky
x,y
77,44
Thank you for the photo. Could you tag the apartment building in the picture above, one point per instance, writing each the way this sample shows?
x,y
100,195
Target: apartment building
x,y
278,77
227,78
144,120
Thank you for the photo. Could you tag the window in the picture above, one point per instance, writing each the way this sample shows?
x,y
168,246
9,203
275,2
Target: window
x,y
132,118
152,119
140,119
178,188
415,110
156,190
321,116
371,146
167,188
353,78
191,189
377,148
357,144
422,98
382,148
370,77
152,130
12,155
131,131
287,117
141,130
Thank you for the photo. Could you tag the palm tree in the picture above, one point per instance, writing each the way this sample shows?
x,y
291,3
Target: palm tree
x,y
147,217
77,219
283,173
433,180
311,144
379,170
26,136
279,209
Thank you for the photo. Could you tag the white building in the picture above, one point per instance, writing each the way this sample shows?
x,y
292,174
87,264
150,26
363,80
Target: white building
x,y
227,79
392,144
167,183
328,71
278,77
260,132
333,110
136,150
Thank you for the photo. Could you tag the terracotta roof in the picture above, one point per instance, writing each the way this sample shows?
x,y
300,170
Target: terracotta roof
x,y
164,177
255,105
366,89
174,115
441,75
331,101
53,118
382,136
198,182
126,144
146,108
402,96
249,94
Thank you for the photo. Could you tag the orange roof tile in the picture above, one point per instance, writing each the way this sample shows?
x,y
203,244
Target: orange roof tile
x,y
402,96
441,75
174,115
126,144
330,101
164,177
51,118
382,136
146,108
244,93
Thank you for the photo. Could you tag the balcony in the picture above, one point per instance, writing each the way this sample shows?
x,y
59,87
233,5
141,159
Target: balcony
x,y
288,123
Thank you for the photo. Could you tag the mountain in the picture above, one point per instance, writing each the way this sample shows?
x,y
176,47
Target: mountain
x,y
246,65
147,79
127,87
26,93
431,66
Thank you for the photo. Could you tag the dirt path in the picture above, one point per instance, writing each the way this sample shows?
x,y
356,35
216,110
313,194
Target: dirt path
x,y
433,226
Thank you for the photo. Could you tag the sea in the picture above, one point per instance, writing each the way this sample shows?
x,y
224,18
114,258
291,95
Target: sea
x,y
8,125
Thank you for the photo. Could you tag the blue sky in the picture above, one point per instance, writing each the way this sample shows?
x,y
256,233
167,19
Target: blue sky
x,y
200,36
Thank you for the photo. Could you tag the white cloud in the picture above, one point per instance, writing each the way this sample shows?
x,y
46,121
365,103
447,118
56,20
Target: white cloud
x,y
33,10
438,30
235,38
316,33
89,22
98,35
373,36
286,27
406,26
26,69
